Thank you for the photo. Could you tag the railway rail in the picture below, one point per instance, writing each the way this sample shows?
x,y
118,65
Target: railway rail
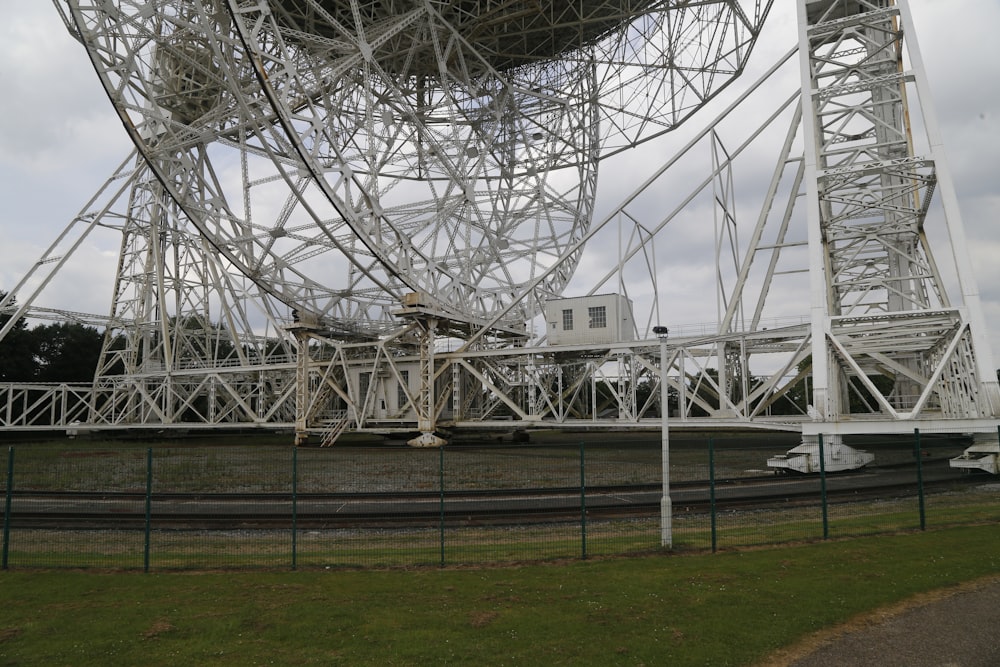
x,y
35,509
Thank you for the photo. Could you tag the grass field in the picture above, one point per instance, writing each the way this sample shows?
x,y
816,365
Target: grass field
x,y
731,608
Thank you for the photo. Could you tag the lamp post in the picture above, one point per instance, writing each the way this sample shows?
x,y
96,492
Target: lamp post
x,y
666,507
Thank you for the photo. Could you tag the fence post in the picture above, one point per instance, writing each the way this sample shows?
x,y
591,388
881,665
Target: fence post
x,y
822,487
920,477
295,504
441,487
711,488
149,508
7,504
583,504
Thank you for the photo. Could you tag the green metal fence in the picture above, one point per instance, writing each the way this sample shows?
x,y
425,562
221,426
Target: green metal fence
x,y
243,504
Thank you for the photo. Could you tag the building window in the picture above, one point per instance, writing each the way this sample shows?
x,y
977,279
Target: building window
x,y
598,317
567,320
364,382
404,382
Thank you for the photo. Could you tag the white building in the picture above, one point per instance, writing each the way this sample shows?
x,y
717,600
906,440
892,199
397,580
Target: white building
x,y
384,394
598,319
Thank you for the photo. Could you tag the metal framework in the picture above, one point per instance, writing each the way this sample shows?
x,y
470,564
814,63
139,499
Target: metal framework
x,y
349,215
879,307
343,154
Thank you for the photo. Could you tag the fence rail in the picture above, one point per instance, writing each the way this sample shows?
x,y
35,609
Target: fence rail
x,y
241,505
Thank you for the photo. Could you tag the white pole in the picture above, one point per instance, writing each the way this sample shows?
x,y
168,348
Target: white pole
x,y
666,509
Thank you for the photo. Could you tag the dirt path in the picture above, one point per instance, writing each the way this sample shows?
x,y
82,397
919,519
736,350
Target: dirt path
x,y
955,627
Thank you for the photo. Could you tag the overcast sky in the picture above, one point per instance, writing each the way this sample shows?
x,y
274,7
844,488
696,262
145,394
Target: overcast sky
x,y
60,140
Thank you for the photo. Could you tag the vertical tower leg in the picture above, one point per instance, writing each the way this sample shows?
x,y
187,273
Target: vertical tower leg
x,y
884,331
427,408
301,387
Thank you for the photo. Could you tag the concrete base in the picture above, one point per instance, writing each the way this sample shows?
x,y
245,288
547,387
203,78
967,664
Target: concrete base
x,y
427,440
984,454
804,458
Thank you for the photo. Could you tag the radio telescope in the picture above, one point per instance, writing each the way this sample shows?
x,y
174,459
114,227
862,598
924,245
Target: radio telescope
x,y
343,153
374,177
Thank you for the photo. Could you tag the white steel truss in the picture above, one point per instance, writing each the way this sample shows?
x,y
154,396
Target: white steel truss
x,y
879,308
332,228
446,149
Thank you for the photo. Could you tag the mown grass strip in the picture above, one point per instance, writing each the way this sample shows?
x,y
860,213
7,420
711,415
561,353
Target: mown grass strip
x,y
731,608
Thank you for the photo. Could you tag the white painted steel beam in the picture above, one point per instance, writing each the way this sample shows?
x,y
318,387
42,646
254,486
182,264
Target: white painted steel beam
x,y
300,175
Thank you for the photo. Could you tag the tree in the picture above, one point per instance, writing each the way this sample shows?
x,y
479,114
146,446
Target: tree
x,y
17,354
66,352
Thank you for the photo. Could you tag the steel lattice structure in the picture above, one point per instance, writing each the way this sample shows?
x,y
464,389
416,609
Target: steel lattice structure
x,y
323,192
448,149
881,308
328,159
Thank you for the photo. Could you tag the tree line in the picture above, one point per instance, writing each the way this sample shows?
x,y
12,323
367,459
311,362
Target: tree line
x,y
58,352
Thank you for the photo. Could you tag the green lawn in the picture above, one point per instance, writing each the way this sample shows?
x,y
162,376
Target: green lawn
x,y
731,608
